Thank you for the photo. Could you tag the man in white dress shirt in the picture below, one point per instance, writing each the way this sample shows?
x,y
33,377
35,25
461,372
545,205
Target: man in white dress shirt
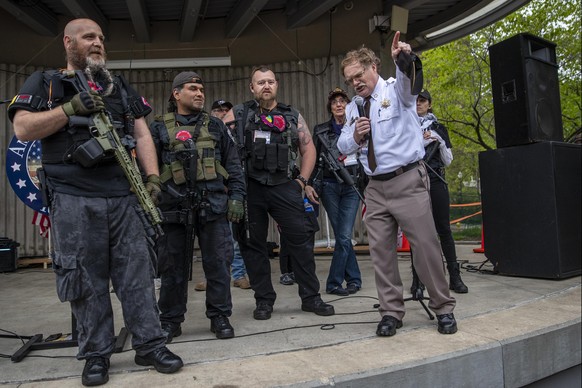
x,y
389,140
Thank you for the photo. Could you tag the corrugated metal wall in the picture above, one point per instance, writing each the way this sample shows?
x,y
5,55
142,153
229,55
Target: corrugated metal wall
x,y
304,85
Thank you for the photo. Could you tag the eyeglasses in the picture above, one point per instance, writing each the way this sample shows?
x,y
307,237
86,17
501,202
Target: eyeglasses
x,y
339,101
357,77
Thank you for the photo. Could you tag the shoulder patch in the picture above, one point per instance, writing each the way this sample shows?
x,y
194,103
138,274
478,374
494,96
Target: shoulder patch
x,y
22,99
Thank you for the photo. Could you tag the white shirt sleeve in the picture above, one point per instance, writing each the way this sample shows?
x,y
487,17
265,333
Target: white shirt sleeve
x,y
445,153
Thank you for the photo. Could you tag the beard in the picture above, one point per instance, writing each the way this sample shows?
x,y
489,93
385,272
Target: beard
x,y
81,60
93,68
96,70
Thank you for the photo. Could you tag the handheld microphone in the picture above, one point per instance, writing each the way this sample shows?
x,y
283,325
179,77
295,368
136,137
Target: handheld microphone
x,y
359,101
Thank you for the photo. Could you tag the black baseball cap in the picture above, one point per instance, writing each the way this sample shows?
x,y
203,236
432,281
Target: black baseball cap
x,y
425,94
184,78
219,104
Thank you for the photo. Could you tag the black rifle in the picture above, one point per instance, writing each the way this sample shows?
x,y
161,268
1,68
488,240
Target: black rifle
x,y
332,159
238,139
429,153
189,158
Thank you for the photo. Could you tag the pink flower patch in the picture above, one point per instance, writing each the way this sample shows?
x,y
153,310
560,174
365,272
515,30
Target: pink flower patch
x,y
279,122
183,135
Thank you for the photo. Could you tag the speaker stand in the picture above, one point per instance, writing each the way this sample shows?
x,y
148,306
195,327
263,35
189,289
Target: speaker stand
x,y
418,293
35,342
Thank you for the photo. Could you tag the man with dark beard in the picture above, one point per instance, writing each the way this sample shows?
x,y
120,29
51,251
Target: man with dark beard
x,y
97,235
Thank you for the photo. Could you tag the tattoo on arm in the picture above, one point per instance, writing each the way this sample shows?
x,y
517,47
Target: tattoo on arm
x,y
303,129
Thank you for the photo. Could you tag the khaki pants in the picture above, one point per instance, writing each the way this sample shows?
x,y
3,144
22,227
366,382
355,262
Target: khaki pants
x,y
404,200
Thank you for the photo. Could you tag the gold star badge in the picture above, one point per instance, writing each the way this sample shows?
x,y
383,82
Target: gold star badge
x,y
385,103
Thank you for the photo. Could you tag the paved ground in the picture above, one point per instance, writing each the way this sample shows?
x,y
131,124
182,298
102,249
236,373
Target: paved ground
x,y
512,331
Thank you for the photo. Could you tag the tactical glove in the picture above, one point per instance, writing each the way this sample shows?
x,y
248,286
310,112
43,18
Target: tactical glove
x,y
236,210
83,104
154,189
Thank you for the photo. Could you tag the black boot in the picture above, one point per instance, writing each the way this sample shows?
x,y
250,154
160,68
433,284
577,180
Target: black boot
x,y
456,284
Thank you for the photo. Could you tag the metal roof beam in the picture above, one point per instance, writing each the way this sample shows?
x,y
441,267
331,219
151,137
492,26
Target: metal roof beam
x,y
189,19
468,28
39,18
140,20
445,17
242,15
307,14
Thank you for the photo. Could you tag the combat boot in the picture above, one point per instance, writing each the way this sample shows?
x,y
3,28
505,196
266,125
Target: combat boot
x,y
456,284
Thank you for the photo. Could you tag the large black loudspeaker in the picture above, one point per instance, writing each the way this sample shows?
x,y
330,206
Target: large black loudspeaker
x,y
531,198
526,92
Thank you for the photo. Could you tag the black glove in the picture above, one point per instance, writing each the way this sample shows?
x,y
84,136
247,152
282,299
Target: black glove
x,y
153,187
236,210
83,104
411,65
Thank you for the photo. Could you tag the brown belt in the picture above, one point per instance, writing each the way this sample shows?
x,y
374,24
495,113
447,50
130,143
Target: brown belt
x,y
390,175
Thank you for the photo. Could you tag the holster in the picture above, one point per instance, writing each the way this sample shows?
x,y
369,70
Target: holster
x,y
44,186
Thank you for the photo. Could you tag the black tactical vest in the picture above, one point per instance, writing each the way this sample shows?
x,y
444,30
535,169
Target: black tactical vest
x,y
60,147
270,142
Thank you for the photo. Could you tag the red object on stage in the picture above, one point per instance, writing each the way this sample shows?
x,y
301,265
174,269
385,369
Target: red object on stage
x,y
405,245
482,249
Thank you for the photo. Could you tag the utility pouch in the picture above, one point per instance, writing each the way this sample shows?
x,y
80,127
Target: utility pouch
x,y
258,154
271,158
208,168
178,172
282,157
89,153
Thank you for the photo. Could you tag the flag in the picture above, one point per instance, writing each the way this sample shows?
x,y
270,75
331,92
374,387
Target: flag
x,y
43,221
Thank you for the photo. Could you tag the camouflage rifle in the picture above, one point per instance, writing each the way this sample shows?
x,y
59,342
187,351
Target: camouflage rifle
x,y
106,141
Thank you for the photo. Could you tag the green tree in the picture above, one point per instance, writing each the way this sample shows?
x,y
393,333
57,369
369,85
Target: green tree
x,y
458,77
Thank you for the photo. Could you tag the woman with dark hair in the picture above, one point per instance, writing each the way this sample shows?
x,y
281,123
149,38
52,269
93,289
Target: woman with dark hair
x,y
340,200
438,156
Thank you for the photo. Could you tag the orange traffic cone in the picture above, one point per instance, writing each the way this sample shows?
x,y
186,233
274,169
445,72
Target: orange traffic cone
x,y
482,249
405,245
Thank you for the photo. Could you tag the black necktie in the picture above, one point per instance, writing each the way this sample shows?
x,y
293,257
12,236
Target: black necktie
x,y
371,156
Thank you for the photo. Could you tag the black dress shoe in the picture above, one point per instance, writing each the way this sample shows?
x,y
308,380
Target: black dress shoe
x,y
171,330
340,291
352,288
318,307
263,311
95,372
162,359
447,323
388,325
221,327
